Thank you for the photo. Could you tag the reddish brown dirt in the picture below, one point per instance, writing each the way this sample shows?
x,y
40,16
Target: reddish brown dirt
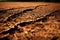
x,y
8,5
47,28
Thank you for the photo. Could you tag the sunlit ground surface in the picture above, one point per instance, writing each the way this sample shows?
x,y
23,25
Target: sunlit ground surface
x,y
45,29
7,5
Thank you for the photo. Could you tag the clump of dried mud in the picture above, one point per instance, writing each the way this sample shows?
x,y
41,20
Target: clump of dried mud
x,y
46,28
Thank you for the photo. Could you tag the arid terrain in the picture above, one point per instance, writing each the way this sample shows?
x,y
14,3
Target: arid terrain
x,y
7,5
29,21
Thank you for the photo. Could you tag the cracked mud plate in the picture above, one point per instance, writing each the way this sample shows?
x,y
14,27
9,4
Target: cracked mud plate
x,y
12,17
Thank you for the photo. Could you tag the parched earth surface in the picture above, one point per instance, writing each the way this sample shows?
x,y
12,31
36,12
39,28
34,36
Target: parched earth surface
x,y
40,22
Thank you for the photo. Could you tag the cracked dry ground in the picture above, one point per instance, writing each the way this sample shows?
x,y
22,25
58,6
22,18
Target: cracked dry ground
x,y
30,23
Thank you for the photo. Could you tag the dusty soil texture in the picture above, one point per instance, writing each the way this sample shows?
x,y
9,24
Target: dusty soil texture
x,y
29,22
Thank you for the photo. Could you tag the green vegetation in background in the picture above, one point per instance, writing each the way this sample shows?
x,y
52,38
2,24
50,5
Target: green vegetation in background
x,y
3,0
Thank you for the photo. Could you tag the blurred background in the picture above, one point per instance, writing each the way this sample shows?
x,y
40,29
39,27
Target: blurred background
x,y
32,0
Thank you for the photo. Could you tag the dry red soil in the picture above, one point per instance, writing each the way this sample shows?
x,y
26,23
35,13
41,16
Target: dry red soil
x,y
29,21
